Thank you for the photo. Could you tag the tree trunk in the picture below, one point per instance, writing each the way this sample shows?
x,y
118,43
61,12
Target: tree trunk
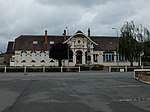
x,y
131,63
59,63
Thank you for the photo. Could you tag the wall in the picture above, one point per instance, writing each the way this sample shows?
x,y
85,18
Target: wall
x,y
18,59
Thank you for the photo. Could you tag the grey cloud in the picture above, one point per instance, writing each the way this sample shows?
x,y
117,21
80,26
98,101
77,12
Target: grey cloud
x,y
34,16
83,3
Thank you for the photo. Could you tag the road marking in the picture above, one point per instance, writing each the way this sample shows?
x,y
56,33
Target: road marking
x,y
122,86
134,99
13,79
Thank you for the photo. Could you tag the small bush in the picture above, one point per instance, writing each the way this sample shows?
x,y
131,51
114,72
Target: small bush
x,y
97,67
51,69
13,69
34,69
82,66
2,69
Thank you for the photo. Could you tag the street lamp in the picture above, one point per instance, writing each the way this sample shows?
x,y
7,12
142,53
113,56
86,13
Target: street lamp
x,y
117,45
68,46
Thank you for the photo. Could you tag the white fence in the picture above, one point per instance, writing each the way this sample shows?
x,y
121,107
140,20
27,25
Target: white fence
x,y
43,69
126,68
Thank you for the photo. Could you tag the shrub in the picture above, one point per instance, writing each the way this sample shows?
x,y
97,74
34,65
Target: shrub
x,y
29,69
51,69
13,69
82,66
97,67
2,69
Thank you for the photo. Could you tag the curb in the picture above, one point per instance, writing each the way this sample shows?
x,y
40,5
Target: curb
x,y
146,82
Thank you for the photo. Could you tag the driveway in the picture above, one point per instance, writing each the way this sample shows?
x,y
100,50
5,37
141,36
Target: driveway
x,y
73,92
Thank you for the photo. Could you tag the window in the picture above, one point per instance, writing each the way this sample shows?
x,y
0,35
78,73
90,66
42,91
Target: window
x,y
79,41
42,57
23,54
35,42
12,59
120,57
51,42
52,60
33,56
95,57
108,57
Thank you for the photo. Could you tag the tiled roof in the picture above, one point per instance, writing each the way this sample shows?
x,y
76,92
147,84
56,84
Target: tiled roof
x,y
25,42
105,43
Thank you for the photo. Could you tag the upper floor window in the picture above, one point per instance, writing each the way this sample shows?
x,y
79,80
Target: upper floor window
x,y
51,42
108,56
35,42
79,41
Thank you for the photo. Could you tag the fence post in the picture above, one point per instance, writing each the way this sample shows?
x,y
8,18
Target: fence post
x,y
43,69
5,69
61,69
142,67
25,69
109,68
126,68
79,69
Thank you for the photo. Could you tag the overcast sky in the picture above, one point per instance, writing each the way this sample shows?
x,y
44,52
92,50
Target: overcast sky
x,y
18,17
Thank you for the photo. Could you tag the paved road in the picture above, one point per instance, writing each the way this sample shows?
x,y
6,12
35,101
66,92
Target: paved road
x,y
73,92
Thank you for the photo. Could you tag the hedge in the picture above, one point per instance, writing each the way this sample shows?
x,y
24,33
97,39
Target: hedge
x,y
97,67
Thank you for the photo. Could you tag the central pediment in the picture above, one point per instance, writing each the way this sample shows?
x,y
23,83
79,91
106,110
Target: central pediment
x,y
80,34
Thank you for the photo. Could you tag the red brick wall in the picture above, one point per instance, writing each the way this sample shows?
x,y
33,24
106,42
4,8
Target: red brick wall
x,y
7,57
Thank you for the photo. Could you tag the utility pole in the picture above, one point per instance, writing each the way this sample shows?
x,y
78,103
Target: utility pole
x,y
88,49
117,46
68,47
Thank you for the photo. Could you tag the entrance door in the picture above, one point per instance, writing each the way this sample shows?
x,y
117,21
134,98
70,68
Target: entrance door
x,y
79,57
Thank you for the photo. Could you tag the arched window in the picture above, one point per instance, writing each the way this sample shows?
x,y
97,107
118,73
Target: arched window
x,y
33,56
42,57
23,54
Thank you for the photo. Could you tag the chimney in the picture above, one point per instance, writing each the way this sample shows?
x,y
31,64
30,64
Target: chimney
x,y
65,35
89,32
46,38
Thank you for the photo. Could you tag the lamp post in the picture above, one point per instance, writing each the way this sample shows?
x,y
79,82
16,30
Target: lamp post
x,y
117,45
68,46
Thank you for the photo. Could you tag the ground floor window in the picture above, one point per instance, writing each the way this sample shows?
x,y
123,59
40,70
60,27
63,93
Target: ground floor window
x,y
42,57
120,57
33,56
108,56
23,56
95,57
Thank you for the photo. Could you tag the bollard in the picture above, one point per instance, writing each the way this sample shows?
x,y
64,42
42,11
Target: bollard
x,y
43,69
79,69
5,69
61,69
25,71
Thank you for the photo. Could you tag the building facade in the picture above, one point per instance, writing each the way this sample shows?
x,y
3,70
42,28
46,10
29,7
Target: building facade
x,y
33,50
